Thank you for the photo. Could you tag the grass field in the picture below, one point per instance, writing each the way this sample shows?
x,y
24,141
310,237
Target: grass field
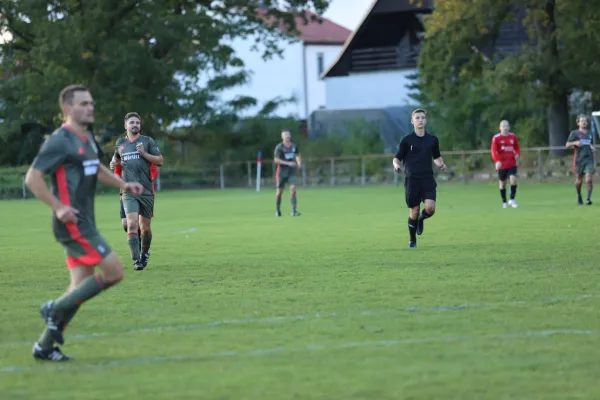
x,y
236,304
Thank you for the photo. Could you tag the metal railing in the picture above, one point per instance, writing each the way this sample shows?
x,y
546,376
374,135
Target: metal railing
x,y
537,164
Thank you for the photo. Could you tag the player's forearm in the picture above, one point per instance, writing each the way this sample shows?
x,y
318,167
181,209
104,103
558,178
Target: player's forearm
x,y
35,182
439,161
156,160
396,162
570,145
108,178
299,160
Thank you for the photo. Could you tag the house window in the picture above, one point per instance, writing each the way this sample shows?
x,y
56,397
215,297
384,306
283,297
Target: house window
x,y
320,63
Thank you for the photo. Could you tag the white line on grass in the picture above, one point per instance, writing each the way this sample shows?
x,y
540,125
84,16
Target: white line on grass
x,y
303,349
266,320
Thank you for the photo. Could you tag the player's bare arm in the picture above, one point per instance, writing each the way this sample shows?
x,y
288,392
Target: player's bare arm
x,y
156,160
299,160
397,164
575,143
439,162
115,161
108,178
35,182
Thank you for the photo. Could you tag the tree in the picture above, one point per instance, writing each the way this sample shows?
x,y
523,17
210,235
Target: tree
x,y
557,56
148,56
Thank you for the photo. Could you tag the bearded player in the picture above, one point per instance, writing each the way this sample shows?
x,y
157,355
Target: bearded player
x,y
136,154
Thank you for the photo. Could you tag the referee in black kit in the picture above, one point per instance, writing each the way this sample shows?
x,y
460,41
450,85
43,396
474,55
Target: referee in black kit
x,y
416,150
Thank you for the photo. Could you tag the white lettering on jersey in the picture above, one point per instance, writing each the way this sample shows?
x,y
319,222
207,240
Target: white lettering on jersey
x,y
90,167
289,156
585,142
131,155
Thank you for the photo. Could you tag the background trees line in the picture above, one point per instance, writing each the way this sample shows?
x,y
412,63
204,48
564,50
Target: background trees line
x,y
176,69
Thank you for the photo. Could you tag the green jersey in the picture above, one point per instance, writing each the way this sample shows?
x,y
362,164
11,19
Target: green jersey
x,y
71,159
584,153
286,153
135,167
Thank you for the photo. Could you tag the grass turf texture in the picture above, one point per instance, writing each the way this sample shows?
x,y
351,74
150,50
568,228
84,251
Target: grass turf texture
x,y
237,304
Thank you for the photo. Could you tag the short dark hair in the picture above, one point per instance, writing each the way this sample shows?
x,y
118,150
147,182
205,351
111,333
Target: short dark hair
x,y
131,115
419,110
583,116
66,95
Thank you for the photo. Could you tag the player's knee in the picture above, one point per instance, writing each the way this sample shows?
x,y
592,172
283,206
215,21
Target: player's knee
x,y
132,226
430,209
502,184
146,231
292,189
414,212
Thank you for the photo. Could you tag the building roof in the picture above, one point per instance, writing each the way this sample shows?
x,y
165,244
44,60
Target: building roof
x,y
322,31
378,7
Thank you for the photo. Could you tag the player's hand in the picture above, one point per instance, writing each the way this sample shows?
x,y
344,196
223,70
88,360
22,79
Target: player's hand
x,y
292,164
140,148
114,162
592,147
133,188
67,214
397,168
498,165
443,167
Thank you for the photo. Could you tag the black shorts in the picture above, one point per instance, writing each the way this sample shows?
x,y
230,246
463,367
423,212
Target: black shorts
x,y
122,209
418,190
505,173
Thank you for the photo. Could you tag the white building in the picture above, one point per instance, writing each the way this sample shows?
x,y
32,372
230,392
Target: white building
x,y
373,69
297,73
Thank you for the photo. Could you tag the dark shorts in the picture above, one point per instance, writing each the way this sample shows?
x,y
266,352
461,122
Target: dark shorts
x,y
418,190
88,250
503,174
280,181
142,205
585,167
123,215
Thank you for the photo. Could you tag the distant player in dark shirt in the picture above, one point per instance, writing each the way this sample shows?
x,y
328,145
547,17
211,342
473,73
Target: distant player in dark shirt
x,y
288,160
415,152
584,162
70,157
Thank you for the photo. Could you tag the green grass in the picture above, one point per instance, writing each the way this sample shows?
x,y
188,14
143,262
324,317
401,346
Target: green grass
x,y
495,303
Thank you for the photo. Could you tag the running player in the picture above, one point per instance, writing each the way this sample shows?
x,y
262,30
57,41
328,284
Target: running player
x,y
584,162
136,153
288,160
70,157
416,150
506,151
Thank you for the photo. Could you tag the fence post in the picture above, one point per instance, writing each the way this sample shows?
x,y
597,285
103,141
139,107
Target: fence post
x,y
540,167
332,172
249,174
222,175
303,169
24,186
363,171
463,160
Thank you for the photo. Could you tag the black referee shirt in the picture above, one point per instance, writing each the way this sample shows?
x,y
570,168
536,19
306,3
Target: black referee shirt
x,y
416,154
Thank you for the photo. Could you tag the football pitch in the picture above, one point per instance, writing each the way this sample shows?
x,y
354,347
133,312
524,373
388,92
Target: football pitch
x,y
237,304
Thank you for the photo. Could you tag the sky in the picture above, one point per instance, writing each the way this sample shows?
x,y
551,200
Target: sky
x,y
348,13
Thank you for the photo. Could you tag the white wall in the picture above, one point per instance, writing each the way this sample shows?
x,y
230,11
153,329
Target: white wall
x,y
278,77
316,85
369,90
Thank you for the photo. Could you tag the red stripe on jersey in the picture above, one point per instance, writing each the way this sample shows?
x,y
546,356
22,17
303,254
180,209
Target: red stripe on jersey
x,y
91,256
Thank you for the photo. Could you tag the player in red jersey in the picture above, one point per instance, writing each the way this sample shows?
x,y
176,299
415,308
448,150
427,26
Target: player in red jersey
x,y
505,153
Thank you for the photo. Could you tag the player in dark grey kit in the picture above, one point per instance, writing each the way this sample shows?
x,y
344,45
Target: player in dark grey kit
x,y
416,150
70,156
136,153
288,159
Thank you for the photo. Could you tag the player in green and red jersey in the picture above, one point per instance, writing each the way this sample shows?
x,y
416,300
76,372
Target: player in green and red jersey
x,y
71,157
136,154
584,162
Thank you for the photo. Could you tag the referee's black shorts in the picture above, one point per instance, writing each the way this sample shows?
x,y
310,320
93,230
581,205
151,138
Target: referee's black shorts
x,y
418,190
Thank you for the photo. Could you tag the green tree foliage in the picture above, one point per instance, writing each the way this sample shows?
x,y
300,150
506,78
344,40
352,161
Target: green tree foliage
x,y
166,59
529,85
